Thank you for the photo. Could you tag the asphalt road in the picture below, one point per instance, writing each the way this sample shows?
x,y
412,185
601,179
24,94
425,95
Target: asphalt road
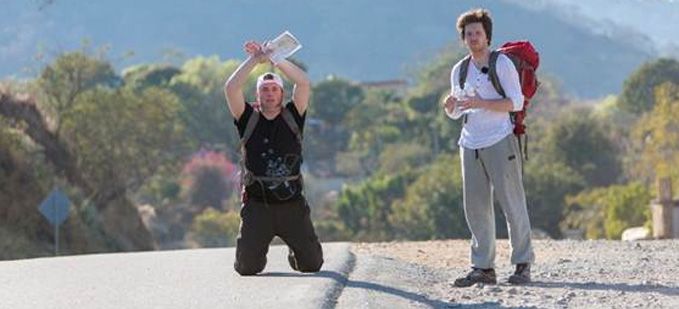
x,y
201,278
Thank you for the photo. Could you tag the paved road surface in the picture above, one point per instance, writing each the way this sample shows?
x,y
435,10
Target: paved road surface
x,y
171,279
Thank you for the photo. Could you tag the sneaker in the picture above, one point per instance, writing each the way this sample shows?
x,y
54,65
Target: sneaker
x,y
477,275
521,275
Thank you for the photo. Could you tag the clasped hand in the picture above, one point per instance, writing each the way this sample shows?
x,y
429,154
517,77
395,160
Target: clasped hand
x,y
468,103
259,52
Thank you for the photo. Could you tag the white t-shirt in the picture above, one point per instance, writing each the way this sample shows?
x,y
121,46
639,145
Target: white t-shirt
x,y
484,127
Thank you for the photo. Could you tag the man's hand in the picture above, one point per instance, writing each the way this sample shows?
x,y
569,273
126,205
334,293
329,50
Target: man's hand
x,y
233,88
471,102
449,103
256,51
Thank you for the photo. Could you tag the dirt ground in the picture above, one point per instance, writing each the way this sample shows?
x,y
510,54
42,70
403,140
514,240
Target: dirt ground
x,y
566,274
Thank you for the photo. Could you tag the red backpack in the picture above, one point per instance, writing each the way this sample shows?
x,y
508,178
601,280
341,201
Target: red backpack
x,y
526,60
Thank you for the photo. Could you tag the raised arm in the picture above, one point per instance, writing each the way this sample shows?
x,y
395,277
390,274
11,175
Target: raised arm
x,y
302,89
233,89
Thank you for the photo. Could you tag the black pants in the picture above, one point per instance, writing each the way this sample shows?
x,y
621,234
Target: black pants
x,y
260,222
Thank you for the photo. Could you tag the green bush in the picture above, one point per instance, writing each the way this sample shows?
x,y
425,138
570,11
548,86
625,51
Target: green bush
x,y
607,212
364,209
215,229
432,206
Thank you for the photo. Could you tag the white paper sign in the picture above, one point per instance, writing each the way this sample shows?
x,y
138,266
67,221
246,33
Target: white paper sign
x,y
283,46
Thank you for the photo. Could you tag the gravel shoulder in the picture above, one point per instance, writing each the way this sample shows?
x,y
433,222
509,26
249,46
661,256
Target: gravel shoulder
x,y
567,274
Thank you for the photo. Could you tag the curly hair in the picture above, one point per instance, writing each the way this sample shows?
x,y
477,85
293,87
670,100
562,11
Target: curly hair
x,y
476,16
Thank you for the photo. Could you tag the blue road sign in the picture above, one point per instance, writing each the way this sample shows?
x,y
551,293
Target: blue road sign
x,y
55,207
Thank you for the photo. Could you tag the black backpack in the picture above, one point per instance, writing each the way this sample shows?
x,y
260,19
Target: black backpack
x,y
248,177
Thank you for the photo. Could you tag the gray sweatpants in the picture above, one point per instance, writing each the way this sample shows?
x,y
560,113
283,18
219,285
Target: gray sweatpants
x,y
495,172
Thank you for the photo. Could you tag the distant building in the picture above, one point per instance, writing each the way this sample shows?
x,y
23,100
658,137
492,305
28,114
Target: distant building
x,y
397,86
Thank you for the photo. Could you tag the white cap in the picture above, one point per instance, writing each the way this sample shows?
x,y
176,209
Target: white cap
x,y
269,77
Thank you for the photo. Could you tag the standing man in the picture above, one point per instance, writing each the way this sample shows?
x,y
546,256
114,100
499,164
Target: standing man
x,y
271,146
489,152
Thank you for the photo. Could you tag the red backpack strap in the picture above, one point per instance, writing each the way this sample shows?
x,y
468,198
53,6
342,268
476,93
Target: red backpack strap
x,y
292,124
492,73
515,117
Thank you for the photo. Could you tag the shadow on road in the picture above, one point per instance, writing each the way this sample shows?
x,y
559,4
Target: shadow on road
x,y
415,297
623,287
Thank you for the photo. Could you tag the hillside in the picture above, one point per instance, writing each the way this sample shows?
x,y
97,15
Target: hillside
x,y
611,16
365,41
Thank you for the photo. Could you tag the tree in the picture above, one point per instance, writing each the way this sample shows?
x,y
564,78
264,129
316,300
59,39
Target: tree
x,y
106,142
432,205
215,229
149,75
372,124
431,127
379,120
577,140
607,212
364,209
122,137
325,141
546,186
403,156
617,122
20,185
333,98
638,93
434,76
209,179
655,138
70,75
424,120
119,222
548,101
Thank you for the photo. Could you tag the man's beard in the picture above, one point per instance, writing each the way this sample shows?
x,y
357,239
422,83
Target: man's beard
x,y
478,48
271,107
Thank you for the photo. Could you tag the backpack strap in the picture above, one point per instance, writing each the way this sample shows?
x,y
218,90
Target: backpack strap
x,y
254,118
462,77
492,73
248,177
464,68
495,80
292,124
249,128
